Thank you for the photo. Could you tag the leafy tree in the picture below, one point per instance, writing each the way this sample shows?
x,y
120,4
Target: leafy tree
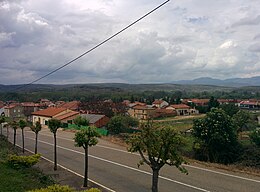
x,y
119,124
81,121
36,129
2,120
241,119
132,99
22,125
86,138
14,125
162,147
54,125
230,108
216,137
213,103
255,137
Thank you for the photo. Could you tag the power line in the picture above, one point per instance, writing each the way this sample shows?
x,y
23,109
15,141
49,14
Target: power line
x,y
95,47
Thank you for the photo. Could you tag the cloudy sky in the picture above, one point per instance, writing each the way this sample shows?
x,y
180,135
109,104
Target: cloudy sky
x,y
185,39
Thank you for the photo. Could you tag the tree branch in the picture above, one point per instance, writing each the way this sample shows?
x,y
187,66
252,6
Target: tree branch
x,y
143,157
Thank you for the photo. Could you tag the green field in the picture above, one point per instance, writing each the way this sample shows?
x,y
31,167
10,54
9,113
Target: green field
x,y
178,123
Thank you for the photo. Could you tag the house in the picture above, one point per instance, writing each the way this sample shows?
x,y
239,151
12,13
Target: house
x,y
96,119
196,102
160,103
250,105
68,117
2,111
2,104
28,108
59,113
14,111
164,113
142,112
72,105
44,103
182,109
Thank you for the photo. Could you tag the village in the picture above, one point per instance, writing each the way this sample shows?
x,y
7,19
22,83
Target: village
x,y
97,116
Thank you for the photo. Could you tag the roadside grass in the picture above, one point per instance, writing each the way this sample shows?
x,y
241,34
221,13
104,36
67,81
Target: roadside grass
x,y
14,180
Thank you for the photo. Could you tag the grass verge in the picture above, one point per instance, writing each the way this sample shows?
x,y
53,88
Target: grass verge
x,y
13,180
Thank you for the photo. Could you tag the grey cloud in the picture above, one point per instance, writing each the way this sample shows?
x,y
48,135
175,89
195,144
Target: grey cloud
x,y
248,21
255,47
180,40
256,37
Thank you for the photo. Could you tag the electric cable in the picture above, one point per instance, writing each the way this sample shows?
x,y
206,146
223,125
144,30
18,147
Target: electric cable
x,y
93,48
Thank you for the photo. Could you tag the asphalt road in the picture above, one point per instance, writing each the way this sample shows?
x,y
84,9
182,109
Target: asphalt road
x,y
112,166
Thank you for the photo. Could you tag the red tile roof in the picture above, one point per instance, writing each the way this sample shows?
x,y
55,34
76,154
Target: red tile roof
x,y
141,107
157,102
67,115
49,112
165,111
11,106
73,105
180,106
249,103
30,104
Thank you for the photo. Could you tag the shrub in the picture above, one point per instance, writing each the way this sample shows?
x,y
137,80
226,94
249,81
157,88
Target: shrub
x,y
59,188
16,161
255,137
250,157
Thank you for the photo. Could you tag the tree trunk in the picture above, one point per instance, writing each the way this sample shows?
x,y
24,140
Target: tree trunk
x,y
155,180
1,128
36,143
14,137
23,139
7,132
86,168
55,152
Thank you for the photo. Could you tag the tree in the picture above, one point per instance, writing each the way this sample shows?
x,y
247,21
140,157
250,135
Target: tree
x,y
255,137
119,124
162,147
54,125
213,103
241,118
86,138
22,125
230,108
14,125
216,137
36,129
81,121
2,120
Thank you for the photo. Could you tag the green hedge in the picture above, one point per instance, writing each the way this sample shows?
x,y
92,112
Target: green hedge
x,y
16,161
59,188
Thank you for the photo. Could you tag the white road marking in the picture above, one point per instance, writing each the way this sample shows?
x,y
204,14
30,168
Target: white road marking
x,y
125,166
226,174
191,166
71,171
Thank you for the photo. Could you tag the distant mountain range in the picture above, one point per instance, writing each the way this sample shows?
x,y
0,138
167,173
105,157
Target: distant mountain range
x,y
196,85
234,82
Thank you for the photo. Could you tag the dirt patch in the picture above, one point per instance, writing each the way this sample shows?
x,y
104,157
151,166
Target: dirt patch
x,y
116,139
